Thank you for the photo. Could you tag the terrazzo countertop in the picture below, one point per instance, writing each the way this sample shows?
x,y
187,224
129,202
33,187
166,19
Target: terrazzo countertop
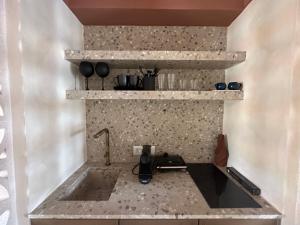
x,y
171,195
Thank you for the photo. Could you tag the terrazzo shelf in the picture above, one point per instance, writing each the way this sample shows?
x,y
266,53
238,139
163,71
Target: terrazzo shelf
x,y
160,59
155,95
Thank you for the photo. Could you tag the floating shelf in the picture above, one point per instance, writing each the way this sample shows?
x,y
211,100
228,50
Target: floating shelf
x,y
155,95
160,59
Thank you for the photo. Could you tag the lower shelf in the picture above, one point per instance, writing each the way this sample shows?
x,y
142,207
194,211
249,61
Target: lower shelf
x,y
155,95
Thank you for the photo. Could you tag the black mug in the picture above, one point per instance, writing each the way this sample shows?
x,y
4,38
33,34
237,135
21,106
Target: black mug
x,y
122,80
234,86
133,81
128,81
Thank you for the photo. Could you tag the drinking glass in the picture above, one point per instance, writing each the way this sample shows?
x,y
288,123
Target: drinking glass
x,y
171,81
194,84
183,85
161,81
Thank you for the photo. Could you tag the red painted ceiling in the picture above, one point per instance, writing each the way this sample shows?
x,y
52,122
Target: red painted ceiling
x,y
157,12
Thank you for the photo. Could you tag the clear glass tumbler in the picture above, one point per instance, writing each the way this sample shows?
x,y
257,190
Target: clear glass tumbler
x,y
183,85
161,81
171,81
194,84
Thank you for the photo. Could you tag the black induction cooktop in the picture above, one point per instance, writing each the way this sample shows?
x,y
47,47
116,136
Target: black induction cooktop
x,y
218,190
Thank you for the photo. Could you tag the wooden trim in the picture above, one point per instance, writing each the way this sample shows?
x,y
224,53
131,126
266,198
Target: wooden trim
x,y
72,222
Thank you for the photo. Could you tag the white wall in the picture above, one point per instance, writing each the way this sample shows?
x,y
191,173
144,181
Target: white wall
x,y
17,109
7,193
262,136
55,127
48,130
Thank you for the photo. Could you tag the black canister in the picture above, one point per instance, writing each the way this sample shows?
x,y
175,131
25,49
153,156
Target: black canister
x,y
149,78
149,82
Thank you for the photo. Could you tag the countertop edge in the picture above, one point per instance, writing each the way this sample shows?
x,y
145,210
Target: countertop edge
x,y
179,217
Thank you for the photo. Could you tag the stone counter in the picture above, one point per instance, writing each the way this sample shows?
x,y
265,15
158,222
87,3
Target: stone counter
x,y
170,195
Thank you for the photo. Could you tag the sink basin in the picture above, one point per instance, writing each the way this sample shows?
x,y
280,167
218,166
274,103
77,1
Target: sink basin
x,y
95,184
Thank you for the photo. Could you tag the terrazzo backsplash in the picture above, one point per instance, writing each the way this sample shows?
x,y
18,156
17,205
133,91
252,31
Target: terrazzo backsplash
x,y
188,128
154,38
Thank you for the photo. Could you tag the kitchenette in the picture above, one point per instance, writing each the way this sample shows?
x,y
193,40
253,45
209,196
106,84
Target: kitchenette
x,y
123,112
154,111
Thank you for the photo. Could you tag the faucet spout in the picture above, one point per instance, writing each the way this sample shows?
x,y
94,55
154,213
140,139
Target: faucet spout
x,y
107,152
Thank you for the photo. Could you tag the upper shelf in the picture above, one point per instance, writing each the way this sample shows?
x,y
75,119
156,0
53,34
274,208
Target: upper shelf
x,y
159,59
155,95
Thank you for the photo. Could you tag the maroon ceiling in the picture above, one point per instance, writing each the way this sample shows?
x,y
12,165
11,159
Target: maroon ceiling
x,y
157,12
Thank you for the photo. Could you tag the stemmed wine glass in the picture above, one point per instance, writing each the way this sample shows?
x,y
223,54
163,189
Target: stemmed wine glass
x,y
102,70
87,70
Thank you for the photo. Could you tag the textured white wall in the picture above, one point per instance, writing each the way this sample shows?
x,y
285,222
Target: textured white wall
x,y
262,134
55,127
7,182
17,108
48,130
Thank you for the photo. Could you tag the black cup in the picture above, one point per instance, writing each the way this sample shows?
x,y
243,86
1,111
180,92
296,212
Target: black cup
x,y
234,86
122,80
133,81
220,86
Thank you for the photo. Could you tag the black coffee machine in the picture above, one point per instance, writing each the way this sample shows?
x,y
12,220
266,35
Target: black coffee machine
x,y
146,165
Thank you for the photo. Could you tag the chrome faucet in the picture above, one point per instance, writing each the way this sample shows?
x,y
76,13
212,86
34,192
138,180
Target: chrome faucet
x,y
107,153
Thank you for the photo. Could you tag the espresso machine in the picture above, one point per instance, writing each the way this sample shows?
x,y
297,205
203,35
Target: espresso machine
x,y
146,165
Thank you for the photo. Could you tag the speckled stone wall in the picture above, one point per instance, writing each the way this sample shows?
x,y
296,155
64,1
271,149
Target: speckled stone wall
x,y
189,128
154,38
